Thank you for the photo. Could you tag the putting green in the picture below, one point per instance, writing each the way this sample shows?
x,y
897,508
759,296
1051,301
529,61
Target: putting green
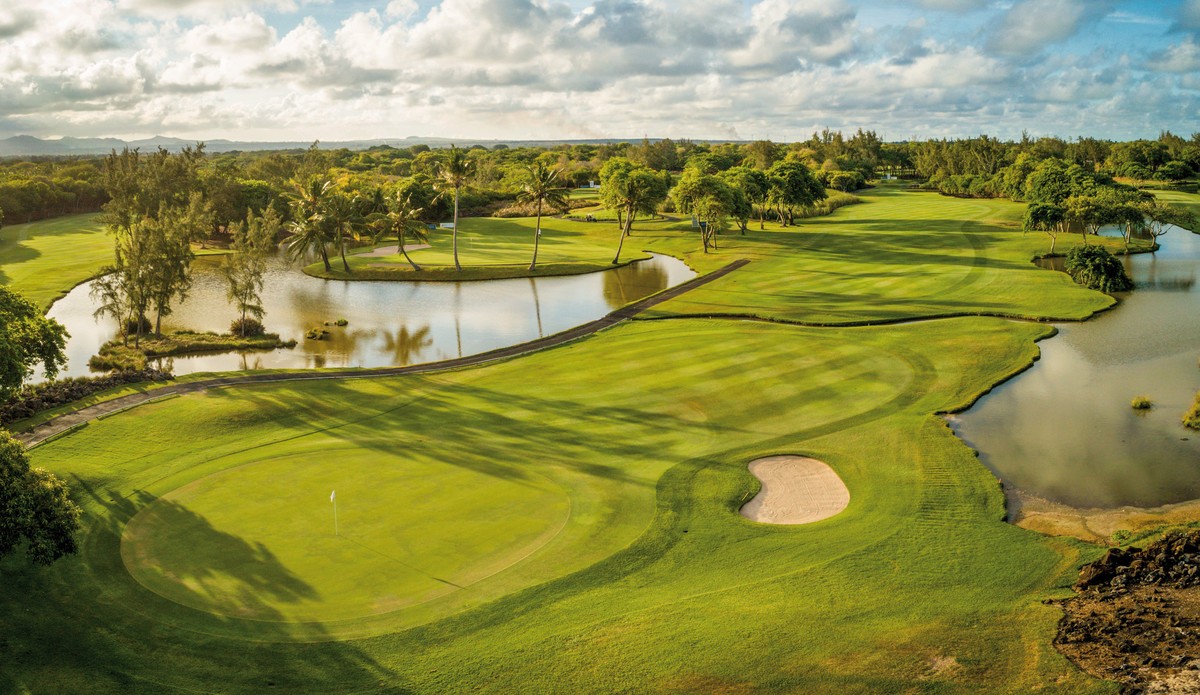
x,y
257,541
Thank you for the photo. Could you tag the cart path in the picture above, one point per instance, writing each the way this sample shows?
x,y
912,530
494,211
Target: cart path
x,y
66,421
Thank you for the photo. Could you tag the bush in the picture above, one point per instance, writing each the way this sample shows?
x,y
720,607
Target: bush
x,y
1142,403
341,323
31,400
1097,269
115,357
1191,419
317,333
247,327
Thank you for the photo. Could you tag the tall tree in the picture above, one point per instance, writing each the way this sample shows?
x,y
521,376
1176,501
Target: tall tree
x,y
343,214
246,267
541,187
454,171
27,339
631,189
35,508
793,186
403,220
308,230
1047,218
168,263
754,187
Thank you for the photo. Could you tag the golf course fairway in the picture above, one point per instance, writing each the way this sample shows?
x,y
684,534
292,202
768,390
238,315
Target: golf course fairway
x,y
568,520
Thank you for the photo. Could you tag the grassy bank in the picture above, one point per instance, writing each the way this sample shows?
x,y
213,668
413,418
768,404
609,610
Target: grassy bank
x,y
44,260
117,354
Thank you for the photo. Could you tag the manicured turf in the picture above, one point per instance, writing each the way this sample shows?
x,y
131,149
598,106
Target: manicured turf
x,y
503,244
582,502
44,260
898,255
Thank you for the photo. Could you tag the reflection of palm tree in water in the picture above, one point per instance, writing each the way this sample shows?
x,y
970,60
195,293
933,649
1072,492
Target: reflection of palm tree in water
x,y
537,306
407,345
634,281
458,315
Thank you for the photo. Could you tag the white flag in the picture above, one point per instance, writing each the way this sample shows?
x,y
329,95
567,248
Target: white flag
x,y
333,496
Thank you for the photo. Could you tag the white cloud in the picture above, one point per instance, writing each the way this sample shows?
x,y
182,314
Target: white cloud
x,y
1182,58
1031,25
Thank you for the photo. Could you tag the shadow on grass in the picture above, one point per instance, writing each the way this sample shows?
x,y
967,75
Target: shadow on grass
x,y
84,625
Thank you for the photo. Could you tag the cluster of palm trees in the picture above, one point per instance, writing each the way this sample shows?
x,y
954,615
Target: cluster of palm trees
x,y
325,217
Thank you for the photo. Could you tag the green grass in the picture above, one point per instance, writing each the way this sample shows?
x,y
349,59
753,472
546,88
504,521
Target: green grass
x,y
491,248
1190,201
898,255
568,519
198,543
44,260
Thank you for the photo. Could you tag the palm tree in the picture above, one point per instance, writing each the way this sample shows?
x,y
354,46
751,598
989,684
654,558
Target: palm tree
x,y
540,187
343,214
309,231
453,173
402,220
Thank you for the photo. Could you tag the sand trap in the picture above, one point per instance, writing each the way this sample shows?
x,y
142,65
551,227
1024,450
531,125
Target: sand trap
x,y
392,250
795,490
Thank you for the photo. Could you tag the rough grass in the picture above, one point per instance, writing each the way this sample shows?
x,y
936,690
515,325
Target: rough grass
x,y
44,260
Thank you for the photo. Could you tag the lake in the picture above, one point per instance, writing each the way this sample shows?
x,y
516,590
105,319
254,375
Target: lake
x,y
1064,430
390,323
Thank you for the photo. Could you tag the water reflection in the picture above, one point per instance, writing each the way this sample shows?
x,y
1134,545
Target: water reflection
x,y
390,323
1065,430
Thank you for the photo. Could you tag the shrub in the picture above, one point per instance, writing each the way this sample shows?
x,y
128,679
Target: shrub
x,y
1191,419
317,333
341,322
31,400
1142,403
118,358
248,327
1097,269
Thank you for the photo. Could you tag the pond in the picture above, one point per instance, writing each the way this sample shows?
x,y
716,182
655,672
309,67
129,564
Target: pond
x,y
1064,430
390,323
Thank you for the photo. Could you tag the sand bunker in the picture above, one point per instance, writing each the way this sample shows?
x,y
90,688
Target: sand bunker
x,y
392,250
795,490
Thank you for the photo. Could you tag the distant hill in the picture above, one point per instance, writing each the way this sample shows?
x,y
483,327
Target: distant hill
x,y
30,146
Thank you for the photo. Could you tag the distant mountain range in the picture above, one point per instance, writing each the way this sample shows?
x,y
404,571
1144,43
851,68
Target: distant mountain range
x,y
29,146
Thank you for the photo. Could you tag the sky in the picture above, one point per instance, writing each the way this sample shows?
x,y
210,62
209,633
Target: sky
x,y
566,69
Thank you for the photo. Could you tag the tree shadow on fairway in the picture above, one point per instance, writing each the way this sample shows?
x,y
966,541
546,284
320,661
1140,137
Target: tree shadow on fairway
x,y
497,433
179,552
85,625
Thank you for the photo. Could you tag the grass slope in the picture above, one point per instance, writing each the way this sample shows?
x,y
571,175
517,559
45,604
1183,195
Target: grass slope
x,y
655,583
44,260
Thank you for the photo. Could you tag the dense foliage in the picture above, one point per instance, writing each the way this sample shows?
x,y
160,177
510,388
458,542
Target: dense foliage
x,y
27,339
1095,268
35,509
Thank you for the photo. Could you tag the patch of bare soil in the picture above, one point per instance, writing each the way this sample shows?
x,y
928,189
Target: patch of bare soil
x,y
1136,617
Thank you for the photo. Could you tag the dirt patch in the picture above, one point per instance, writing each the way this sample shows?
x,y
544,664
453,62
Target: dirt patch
x,y
795,490
1136,617
1096,525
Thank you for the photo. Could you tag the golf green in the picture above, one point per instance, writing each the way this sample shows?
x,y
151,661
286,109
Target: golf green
x,y
259,541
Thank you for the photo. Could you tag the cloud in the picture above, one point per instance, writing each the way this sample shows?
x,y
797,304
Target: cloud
x,y
14,21
569,68
1189,16
1029,26
1180,58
